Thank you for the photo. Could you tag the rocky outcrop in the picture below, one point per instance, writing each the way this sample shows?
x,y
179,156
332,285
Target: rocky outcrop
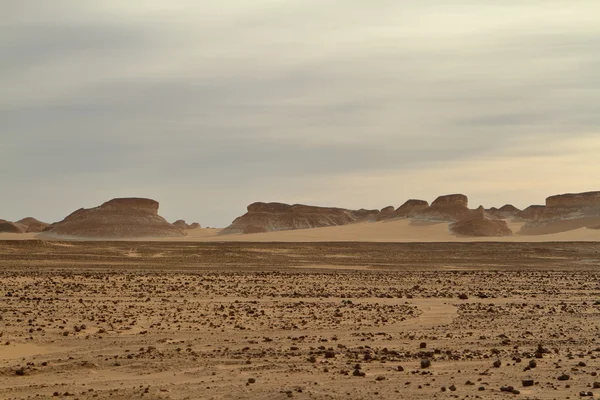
x,y
385,213
409,209
505,212
530,213
31,225
117,218
566,212
448,208
9,227
267,217
480,223
182,224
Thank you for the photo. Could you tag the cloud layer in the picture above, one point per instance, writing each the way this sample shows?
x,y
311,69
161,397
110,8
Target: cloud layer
x,y
207,108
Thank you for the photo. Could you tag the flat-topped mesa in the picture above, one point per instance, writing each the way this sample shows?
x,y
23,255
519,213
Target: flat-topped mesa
x,y
447,208
480,223
267,217
132,203
117,218
580,200
566,212
458,200
9,227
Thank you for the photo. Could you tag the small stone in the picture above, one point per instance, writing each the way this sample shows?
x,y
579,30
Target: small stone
x,y
564,377
425,363
527,382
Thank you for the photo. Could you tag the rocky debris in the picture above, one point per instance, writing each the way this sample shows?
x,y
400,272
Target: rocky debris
x,y
507,211
563,377
480,223
527,382
566,212
448,208
30,224
117,218
267,217
293,327
9,227
182,224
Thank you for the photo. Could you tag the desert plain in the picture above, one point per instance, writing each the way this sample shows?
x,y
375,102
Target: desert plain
x,y
314,320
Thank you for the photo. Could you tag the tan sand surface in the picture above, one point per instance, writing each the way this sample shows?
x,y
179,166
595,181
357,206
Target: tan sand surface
x,y
402,230
191,320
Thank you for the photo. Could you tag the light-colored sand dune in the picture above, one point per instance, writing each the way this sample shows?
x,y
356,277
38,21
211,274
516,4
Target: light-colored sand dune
x,y
398,231
384,231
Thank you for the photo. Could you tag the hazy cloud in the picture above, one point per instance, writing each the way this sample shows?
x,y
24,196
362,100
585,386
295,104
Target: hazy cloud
x,y
208,107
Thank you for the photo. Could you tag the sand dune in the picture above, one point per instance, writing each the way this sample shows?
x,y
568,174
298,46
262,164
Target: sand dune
x,y
402,230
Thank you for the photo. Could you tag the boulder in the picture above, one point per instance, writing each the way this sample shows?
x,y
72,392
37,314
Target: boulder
x,y
117,218
566,212
268,217
447,208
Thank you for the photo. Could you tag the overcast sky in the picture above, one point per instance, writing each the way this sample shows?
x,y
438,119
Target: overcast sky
x,y
207,106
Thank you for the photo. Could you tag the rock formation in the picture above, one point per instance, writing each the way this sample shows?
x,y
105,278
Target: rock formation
x,y
507,211
117,218
482,224
31,224
448,208
530,213
9,227
566,212
410,208
385,213
267,217
182,224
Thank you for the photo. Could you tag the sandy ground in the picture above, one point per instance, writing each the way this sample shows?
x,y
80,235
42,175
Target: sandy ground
x,y
398,231
181,320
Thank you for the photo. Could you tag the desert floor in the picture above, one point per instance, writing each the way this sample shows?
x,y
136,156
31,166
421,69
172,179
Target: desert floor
x,y
394,231
184,320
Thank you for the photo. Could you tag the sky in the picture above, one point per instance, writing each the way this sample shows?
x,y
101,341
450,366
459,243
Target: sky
x,y
210,106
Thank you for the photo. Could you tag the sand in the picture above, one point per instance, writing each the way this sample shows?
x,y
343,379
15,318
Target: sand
x,y
185,320
400,231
